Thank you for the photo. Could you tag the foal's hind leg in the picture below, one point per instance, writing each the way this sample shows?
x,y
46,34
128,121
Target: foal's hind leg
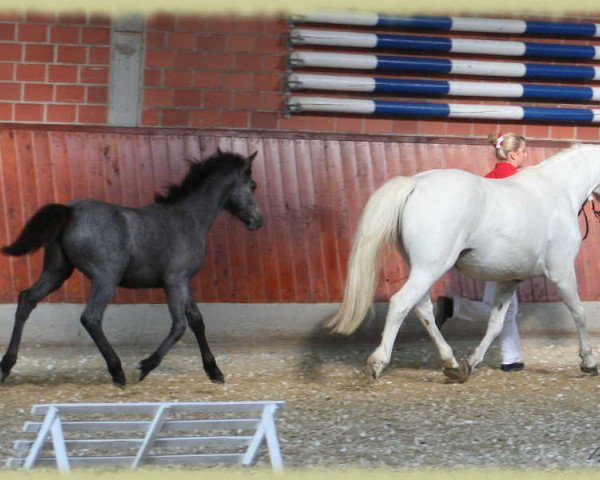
x,y
196,323
177,298
91,319
56,270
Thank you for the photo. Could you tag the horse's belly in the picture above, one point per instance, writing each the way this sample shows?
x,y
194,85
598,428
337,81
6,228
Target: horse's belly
x,y
497,267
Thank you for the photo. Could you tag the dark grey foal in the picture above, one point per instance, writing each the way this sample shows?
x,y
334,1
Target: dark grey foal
x,y
156,246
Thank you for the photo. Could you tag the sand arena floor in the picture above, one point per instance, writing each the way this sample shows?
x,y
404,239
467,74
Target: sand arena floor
x,y
546,417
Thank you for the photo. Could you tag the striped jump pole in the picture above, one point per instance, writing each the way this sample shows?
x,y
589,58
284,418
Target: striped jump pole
x,y
453,24
442,66
298,81
440,110
443,44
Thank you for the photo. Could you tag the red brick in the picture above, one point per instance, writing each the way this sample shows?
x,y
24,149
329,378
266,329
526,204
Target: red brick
x,y
31,72
175,117
11,52
151,117
562,132
295,122
248,62
61,34
32,33
10,91
206,118
71,54
187,60
273,63
29,112
245,101
587,132
6,112
11,16
405,126
158,97
270,45
155,40
270,101
62,73
99,55
61,113
264,120
183,40
459,127
191,23
99,19
7,71
177,78
38,92
153,77
155,58
268,82
346,124
189,98
39,17
216,100
211,42
93,75
207,80
92,114
275,25
235,119
70,93
72,18
95,35
432,127
237,81
483,129
39,53
240,43
316,123
537,131
161,21
7,32
97,95
218,61
378,125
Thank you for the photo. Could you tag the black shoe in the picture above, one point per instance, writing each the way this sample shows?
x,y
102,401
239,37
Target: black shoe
x,y
512,367
443,310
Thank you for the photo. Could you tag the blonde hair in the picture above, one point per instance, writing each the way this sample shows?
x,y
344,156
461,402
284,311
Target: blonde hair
x,y
504,143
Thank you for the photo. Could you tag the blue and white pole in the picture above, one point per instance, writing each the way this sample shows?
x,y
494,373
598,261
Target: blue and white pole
x,y
443,44
440,110
300,81
442,66
453,24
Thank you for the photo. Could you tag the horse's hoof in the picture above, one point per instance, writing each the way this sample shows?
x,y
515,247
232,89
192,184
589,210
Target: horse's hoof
x,y
217,378
375,368
455,375
121,383
3,376
593,371
465,368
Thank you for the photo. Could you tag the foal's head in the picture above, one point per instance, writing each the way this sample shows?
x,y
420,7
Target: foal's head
x,y
240,201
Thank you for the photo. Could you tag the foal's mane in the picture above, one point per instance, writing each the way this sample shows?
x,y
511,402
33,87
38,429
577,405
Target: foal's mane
x,y
199,171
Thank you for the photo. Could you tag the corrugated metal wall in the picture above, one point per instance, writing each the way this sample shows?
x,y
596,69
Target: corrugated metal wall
x,y
311,191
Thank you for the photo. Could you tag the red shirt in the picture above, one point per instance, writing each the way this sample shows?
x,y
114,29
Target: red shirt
x,y
502,170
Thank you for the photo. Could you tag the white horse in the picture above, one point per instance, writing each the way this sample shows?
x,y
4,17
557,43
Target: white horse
x,y
505,230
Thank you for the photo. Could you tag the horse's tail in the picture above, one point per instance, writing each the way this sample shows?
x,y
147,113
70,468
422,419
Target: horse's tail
x,y
44,227
379,224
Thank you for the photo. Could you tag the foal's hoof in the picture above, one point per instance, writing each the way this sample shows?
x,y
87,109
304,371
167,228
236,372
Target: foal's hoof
x,y
217,377
3,376
375,368
593,371
120,382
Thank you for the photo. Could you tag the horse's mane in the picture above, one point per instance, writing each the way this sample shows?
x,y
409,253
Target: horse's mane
x,y
199,171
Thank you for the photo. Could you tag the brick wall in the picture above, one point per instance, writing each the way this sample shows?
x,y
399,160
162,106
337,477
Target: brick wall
x,y
54,68
198,71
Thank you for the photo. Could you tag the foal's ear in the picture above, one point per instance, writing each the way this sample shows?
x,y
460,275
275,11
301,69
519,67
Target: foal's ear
x,y
219,151
249,159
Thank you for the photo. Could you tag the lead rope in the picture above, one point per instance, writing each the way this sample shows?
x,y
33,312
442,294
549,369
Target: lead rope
x,y
596,214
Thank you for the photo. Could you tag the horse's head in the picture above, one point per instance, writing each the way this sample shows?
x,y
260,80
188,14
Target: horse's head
x,y
240,201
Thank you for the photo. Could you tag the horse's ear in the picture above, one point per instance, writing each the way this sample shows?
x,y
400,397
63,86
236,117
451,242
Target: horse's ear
x,y
251,157
248,160
219,151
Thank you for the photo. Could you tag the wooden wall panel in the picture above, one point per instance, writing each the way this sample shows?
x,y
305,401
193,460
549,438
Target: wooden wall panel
x,y
311,190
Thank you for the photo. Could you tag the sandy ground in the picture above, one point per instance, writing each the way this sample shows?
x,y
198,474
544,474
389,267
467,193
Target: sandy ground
x,y
545,417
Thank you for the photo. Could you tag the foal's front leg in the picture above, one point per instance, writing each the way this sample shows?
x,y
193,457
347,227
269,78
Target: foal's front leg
x,y
177,298
196,323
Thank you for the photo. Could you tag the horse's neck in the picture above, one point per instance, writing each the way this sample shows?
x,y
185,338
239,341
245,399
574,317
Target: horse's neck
x,y
576,172
206,201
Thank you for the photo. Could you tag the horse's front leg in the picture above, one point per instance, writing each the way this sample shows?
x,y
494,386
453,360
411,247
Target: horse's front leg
x,y
401,304
567,286
424,312
504,292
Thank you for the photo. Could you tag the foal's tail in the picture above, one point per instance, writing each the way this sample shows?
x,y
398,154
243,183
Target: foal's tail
x,y
379,224
45,226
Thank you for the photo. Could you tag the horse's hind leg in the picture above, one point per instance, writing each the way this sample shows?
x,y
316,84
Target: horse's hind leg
x,y
401,303
178,299
196,323
91,319
424,312
56,270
